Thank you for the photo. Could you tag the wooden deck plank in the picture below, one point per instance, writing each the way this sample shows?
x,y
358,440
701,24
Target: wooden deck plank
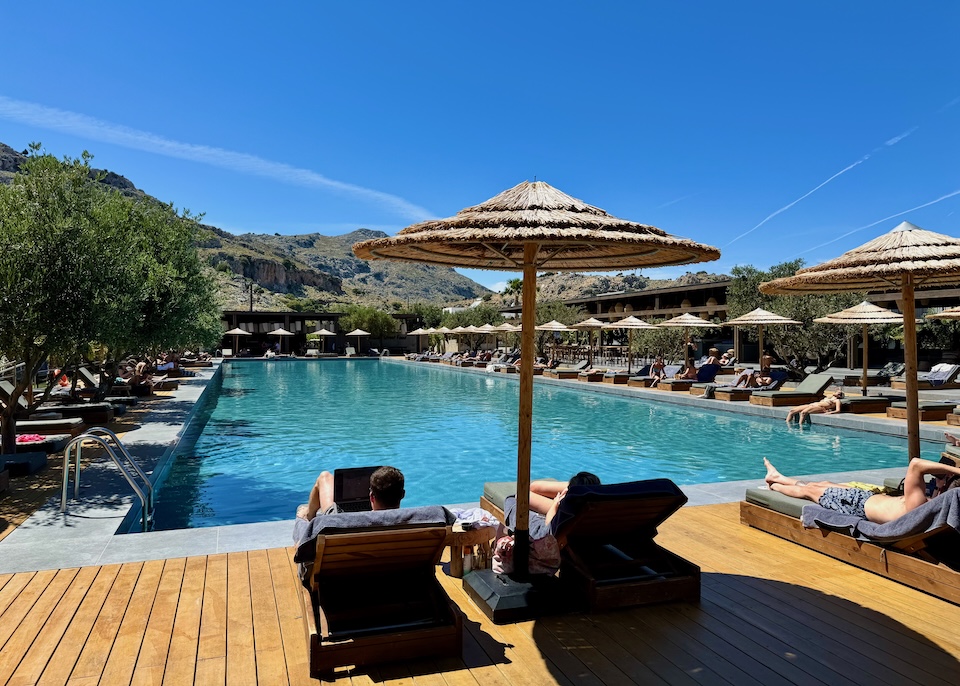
x,y
21,640
97,647
129,640
18,600
241,658
212,649
285,586
268,642
155,647
57,670
49,631
185,639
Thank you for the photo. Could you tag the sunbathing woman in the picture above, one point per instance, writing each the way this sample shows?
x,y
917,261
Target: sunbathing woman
x,y
830,405
876,507
545,496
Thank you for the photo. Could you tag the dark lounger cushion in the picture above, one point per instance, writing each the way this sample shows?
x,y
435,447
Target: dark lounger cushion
x,y
778,502
22,464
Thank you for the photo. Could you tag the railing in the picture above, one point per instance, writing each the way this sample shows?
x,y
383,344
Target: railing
x,y
100,436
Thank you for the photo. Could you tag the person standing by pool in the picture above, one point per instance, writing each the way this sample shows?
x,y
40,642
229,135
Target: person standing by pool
x,y
386,492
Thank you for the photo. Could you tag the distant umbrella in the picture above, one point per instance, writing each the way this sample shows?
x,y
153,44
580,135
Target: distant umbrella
x,y
323,333
588,325
949,313
358,333
282,333
236,333
687,321
896,261
760,318
864,314
631,324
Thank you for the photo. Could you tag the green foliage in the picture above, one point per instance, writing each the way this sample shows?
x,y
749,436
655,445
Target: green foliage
x,y
224,267
81,264
548,311
473,316
431,314
811,341
377,323
667,342
296,304
939,334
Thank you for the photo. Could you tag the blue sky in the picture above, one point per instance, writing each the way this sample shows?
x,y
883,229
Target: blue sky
x,y
770,130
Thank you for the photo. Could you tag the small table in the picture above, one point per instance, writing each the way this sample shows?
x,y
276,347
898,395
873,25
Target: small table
x,y
458,538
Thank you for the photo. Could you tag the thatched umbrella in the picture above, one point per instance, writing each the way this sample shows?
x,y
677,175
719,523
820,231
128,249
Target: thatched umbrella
x,y
236,333
282,333
864,314
322,334
900,260
358,333
687,321
631,324
418,332
555,327
529,227
588,325
949,313
760,318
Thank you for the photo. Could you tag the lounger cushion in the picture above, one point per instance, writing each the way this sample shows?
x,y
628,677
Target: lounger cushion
x,y
498,491
929,405
22,464
778,502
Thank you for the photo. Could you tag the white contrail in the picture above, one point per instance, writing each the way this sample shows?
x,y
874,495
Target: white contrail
x,y
880,221
83,126
805,195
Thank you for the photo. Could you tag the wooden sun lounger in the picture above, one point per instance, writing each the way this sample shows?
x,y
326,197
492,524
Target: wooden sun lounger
x,y
908,561
930,411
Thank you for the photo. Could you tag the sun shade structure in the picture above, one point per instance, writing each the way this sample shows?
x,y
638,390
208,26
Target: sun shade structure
x,y
236,333
588,325
358,333
323,333
631,324
760,318
531,227
864,314
901,260
949,313
282,332
554,326
687,321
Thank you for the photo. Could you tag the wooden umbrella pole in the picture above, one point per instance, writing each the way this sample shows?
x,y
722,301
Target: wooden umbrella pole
x,y
863,385
760,343
629,350
521,550
910,357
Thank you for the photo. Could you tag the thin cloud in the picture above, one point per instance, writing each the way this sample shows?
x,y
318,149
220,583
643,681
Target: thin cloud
x,y
881,221
896,139
674,202
805,195
83,126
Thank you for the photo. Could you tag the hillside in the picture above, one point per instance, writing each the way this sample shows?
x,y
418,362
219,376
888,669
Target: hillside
x,y
314,271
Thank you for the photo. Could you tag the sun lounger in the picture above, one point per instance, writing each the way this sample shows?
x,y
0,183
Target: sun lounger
x,y
591,375
23,464
930,410
73,426
371,592
50,443
864,404
809,390
940,376
646,381
926,557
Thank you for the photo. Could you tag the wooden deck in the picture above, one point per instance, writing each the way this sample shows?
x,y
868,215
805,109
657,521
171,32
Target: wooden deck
x,y
771,612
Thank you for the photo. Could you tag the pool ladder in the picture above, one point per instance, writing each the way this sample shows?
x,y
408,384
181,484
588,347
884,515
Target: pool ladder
x,y
108,441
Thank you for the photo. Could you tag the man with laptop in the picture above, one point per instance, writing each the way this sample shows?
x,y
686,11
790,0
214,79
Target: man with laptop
x,y
354,490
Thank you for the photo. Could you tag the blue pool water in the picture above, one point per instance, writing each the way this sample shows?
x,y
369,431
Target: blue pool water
x,y
275,425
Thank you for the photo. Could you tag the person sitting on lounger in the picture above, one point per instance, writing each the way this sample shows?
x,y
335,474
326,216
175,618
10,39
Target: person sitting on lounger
x,y
875,507
386,492
689,372
829,405
713,357
545,496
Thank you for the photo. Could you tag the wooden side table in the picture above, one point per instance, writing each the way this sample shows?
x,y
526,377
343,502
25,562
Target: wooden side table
x,y
458,538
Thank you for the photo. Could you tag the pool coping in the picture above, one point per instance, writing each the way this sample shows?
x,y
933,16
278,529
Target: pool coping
x,y
87,534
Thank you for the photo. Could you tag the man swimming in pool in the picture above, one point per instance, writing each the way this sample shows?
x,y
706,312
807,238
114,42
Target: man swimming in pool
x,y
876,507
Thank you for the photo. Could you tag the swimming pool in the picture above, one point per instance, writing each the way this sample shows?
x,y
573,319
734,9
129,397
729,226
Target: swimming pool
x,y
274,426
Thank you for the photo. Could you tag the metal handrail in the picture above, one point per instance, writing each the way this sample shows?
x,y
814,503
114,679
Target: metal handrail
x,y
146,498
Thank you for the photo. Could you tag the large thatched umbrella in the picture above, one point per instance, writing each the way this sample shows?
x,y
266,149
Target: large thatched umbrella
x,y
865,314
631,324
588,325
900,260
687,321
760,318
949,313
529,227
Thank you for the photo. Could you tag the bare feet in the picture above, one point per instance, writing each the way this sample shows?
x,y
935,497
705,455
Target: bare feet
x,y
773,476
951,439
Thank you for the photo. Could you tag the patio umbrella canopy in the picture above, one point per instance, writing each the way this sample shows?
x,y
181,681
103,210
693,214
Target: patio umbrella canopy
x,y
358,333
323,333
531,227
588,325
556,327
760,318
236,333
900,260
281,332
687,321
949,313
864,314
631,324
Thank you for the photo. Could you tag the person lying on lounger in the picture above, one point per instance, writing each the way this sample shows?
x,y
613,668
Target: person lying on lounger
x,y
829,405
875,507
386,492
545,496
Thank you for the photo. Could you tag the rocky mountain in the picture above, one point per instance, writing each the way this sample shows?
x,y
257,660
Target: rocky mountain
x,y
314,271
